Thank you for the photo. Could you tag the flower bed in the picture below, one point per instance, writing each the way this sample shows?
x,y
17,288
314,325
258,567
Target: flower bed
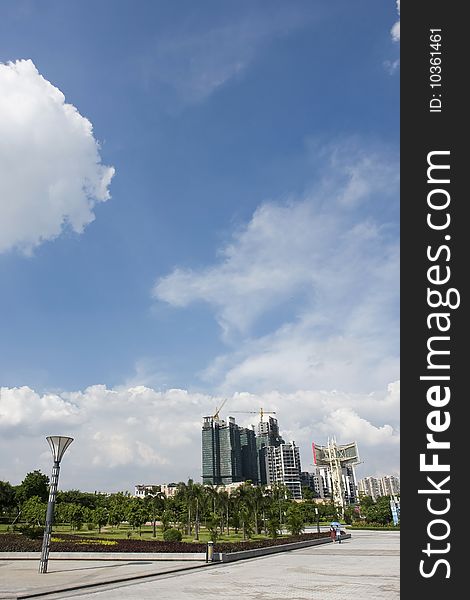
x,y
11,542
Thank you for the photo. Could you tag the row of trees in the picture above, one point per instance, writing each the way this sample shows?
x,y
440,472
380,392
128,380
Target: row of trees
x,y
249,510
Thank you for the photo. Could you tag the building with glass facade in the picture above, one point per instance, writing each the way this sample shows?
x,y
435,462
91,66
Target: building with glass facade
x,y
232,454
221,452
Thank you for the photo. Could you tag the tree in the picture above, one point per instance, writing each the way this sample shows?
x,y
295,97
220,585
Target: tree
x,y
63,512
246,520
295,521
213,494
182,499
136,514
327,511
200,504
273,524
255,499
33,511
279,497
350,514
367,502
166,519
7,496
100,517
212,524
379,512
77,516
224,503
34,484
155,504
307,493
116,513
85,499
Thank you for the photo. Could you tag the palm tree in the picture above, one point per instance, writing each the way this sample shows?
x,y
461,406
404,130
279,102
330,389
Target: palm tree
x,y
224,504
214,495
295,521
184,494
280,493
246,508
155,502
198,494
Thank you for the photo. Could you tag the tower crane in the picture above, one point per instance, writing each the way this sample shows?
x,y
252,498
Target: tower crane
x,y
261,412
215,416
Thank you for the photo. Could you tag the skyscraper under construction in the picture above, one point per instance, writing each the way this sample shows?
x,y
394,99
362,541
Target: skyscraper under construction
x,y
231,454
220,452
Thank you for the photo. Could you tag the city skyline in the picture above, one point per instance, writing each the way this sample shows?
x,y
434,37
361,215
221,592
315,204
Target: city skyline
x,y
197,203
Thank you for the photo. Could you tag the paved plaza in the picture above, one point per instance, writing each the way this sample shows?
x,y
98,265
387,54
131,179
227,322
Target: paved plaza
x,y
363,567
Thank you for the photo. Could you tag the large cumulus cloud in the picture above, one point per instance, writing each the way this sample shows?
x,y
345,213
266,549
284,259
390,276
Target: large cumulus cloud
x,y
51,174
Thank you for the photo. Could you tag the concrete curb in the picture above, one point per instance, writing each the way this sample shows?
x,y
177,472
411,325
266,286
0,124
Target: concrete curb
x,y
243,554
127,556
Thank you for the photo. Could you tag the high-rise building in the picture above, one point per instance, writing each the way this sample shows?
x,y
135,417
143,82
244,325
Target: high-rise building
x,y
249,455
221,452
307,480
268,432
231,454
210,452
267,435
370,486
388,485
283,466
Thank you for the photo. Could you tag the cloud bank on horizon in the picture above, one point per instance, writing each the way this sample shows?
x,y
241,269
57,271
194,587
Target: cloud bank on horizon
x,y
125,436
51,176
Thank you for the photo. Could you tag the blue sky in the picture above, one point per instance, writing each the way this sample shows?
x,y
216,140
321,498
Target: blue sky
x,y
227,228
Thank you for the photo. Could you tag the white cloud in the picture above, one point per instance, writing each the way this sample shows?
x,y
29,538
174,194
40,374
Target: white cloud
x,y
320,274
395,31
194,63
51,174
125,436
392,65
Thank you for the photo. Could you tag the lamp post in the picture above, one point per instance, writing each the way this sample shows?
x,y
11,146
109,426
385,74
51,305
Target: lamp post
x,y
318,519
58,445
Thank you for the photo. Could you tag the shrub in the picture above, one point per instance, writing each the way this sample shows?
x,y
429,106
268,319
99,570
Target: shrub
x,y
172,535
32,532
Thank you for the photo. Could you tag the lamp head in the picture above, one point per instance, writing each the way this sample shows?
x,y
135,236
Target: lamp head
x,y
58,445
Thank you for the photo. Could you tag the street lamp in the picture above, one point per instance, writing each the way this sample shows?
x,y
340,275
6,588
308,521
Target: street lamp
x,y
318,520
58,445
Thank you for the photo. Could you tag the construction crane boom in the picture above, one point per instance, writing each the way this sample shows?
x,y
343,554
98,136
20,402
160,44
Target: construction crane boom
x,y
215,416
261,412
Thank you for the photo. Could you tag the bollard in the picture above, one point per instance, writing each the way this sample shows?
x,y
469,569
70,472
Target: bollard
x,y
210,552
